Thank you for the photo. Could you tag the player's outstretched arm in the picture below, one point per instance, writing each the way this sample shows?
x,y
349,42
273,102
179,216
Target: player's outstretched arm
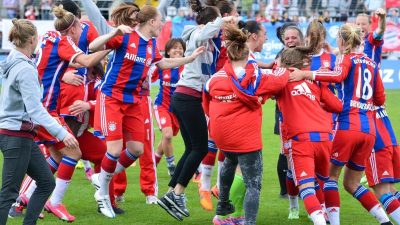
x,y
381,13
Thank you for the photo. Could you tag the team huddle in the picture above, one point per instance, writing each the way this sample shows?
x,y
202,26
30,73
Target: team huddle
x,y
86,96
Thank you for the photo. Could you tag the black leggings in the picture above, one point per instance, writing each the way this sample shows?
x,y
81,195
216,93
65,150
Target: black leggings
x,y
22,156
251,165
193,128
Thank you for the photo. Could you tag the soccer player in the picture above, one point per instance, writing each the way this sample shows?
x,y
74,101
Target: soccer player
x,y
383,166
373,41
360,89
119,114
236,93
166,119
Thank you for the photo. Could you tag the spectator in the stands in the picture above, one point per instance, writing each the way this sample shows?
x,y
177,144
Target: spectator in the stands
x,y
45,9
372,5
285,18
273,10
393,16
180,17
11,7
326,18
31,12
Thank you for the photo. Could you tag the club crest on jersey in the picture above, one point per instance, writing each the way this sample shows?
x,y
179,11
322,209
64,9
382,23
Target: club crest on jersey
x,y
163,120
148,62
149,49
326,64
112,126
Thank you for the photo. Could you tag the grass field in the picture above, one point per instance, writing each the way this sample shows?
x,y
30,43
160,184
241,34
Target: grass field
x,y
273,210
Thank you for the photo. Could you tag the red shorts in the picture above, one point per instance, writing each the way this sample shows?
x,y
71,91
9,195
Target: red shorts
x,y
352,148
116,120
166,119
383,166
68,95
308,160
44,137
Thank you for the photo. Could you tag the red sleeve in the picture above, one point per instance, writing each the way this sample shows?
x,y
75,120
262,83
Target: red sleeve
x,y
374,41
379,92
114,42
339,74
157,55
92,32
272,83
155,75
331,103
67,50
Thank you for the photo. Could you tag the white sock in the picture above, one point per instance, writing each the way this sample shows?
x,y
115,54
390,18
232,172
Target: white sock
x,y
318,218
86,164
379,213
29,191
119,168
58,193
206,173
396,215
219,172
105,179
334,215
293,201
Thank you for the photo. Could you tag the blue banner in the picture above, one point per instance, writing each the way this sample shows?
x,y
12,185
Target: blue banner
x,y
390,73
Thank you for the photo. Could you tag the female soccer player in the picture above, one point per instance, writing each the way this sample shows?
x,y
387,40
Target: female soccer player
x,y
119,115
360,89
20,103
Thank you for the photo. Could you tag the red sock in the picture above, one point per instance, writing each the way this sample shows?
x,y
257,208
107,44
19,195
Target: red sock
x,y
319,192
291,188
331,194
127,158
112,194
311,202
66,168
53,165
365,197
158,158
209,159
109,163
221,156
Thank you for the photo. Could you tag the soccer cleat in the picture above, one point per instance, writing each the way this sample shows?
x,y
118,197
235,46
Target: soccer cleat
x,y
80,165
215,191
219,221
238,220
119,198
387,223
178,202
225,208
151,199
293,213
171,169
117,210
104,204
16,210
205,200
197,177
89,173
95,181
163,203
59,211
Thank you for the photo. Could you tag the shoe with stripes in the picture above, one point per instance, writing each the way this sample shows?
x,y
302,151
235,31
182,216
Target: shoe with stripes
x,y
163,203
59,211
104,204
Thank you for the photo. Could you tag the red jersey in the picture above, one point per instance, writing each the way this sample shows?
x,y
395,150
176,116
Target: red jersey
x,y
235,125
360,88
129,66
55,54
168,79
385,136
303,118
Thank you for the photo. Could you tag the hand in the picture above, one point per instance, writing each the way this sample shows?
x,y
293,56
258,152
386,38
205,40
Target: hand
x,y
123,29
79,107
381,13
197,52
71,78
296,75
228,19
70,141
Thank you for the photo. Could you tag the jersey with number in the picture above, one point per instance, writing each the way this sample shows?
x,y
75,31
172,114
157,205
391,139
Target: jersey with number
x,y
89,33
129,66
55,53
168,79
359,87
373,47
384,131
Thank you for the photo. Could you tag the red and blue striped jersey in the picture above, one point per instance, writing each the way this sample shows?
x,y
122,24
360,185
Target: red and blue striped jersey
x,y
384,131
55,54
222,56
129,66
89,33
373,47
360,88
168,79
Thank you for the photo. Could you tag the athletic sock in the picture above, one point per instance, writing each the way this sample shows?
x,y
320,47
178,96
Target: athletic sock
x,y
397,195
312,205
206,173
108,165
125,160
292,190
332,201
170,160
391,205
236,195
64,175
371,204
53,164
319,192
31,188
86,165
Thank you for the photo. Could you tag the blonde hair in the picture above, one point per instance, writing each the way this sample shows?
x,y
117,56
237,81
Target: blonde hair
x,y
236,46
64,19
351,35
21,32
146,13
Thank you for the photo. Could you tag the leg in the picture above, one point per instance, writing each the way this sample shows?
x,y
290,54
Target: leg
x,y
228,174
282,168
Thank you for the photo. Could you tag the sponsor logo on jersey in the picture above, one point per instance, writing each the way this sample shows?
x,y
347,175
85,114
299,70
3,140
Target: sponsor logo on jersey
x,y
386,173
133,45
303,174
134,57
147,121
303,89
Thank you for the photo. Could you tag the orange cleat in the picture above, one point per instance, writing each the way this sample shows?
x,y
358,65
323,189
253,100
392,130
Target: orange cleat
x,y
205,200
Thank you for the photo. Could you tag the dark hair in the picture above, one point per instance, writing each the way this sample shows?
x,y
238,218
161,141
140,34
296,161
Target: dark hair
x,y
224,6
300,56
250,26
205,14
122,15
236,39
170,44
71,7
146,13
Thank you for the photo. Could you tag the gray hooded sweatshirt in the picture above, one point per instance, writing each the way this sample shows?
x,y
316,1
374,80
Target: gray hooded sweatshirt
x,y
20,98
196,73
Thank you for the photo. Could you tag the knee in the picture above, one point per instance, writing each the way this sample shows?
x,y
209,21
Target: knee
x,y
167,136
136,151
350,185
46,184
74,154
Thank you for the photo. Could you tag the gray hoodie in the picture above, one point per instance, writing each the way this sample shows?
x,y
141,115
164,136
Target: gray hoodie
x,y
196,73
21,94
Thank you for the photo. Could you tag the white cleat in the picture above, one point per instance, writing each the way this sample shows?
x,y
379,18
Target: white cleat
x,y
95,181
104,204
151,199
